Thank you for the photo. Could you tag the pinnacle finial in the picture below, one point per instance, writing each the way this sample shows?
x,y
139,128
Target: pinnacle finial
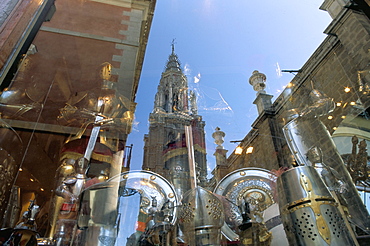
x,y
173,62
219,135
173,45
258,81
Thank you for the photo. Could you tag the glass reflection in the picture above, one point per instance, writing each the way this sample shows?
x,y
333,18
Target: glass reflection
x,y
139,207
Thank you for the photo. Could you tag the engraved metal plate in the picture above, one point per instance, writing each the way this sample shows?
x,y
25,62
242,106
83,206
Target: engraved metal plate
x,y
256,183
125,206
149,185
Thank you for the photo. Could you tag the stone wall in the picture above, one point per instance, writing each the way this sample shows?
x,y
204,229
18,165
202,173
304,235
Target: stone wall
x,y
341,61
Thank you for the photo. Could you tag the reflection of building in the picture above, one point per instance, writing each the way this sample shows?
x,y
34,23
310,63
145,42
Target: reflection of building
x,y
19,23
63,70
340,69
352,139
165,150
329,70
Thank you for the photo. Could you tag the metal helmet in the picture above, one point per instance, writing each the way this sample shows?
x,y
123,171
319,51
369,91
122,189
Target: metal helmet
x,y
201,217
309,213
304,135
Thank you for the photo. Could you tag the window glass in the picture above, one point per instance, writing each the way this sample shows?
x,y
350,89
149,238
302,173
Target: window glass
x,y
189,123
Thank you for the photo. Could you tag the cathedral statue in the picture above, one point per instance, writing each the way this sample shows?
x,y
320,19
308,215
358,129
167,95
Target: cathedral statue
x,y
193,103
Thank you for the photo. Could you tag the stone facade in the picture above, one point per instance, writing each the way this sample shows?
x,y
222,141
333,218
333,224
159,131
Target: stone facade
x,y
333,88
341,61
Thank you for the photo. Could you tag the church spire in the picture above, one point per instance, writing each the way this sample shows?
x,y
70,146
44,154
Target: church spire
x,y
173,93
166,149
173,63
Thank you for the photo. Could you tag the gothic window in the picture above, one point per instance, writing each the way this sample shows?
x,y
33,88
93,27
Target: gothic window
x,y
175,104
166,102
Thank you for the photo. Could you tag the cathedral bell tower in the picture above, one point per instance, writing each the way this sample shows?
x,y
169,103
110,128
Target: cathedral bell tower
x,y
172,94
165,150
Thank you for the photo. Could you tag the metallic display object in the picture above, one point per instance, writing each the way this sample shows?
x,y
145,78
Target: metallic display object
x,y
121,210
303,134
70,190
255,184
332,179
309,213
13,210
114,109
357,162
28,221
257,234
25,232
272,220
11,151
303,131
201,217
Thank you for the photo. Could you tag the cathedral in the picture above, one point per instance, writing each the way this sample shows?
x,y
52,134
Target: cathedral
x,y
165,150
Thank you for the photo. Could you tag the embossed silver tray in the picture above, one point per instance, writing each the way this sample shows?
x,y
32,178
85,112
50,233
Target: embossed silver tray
x,y
257,183
149,185
124,207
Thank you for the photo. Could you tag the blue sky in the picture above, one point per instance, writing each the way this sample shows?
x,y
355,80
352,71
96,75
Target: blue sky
x,y
220,43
